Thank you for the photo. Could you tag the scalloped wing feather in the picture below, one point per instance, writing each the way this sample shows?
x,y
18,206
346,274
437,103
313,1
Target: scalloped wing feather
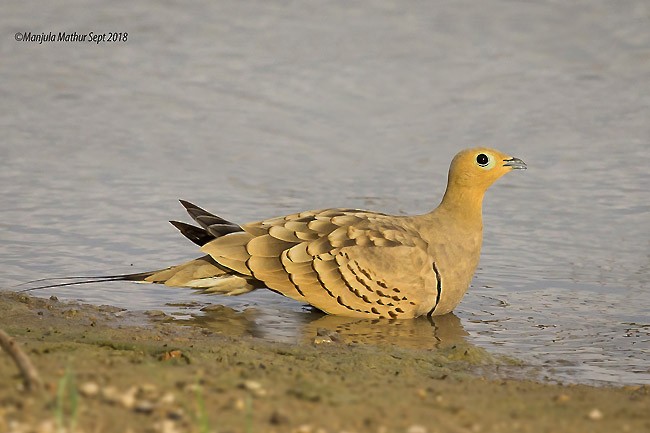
x,y
342,261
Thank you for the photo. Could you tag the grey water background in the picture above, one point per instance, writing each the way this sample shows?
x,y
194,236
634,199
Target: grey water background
x,y
257,109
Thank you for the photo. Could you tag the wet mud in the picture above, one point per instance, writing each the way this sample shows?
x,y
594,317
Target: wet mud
x,y
111,370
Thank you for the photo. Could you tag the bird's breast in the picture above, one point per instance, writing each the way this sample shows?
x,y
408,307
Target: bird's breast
x,y
456,259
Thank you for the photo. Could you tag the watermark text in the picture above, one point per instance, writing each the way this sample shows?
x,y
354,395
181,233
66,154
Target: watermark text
x,y
88,37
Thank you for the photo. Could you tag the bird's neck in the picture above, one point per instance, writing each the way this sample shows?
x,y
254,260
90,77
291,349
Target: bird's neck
x,y
463,205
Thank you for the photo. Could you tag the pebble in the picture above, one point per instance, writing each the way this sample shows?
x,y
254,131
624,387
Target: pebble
x,y
595,415
239,404
147,390
89,389
254,387
171,355
325,336
322,340
192,388
144,406
166,426
47,426
278,418
167,398
144,399
305,428
175,413
110,394
128,400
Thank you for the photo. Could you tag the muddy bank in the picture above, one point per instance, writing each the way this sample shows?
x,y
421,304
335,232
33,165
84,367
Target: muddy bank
x,y
107,370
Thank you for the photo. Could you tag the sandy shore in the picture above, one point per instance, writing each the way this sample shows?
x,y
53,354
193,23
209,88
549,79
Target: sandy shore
x,y
106,370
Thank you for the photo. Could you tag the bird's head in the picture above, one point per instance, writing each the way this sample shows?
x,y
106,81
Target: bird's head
x,y
480,167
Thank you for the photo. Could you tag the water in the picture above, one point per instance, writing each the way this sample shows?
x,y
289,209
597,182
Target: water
x,y
257,109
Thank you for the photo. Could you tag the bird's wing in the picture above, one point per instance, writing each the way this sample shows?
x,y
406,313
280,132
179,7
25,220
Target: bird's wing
x,y
342,261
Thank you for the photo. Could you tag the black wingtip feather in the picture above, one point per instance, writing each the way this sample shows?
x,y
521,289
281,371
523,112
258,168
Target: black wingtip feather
x,y
186,204
206,219
197,235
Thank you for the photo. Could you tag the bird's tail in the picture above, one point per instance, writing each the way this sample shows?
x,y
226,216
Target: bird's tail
x,y
48,283
202,274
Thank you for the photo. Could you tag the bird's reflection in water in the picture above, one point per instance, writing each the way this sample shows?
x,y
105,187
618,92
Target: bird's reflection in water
x,y
420,333
307,327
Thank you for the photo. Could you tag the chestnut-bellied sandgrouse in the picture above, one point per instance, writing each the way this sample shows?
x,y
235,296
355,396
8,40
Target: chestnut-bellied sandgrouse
x,y
347,261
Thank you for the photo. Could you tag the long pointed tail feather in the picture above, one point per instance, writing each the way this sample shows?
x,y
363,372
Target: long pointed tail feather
x,y
203,273
86,279
200,274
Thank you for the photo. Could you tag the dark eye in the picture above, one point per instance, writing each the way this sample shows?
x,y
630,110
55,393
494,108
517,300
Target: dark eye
x,y
482,159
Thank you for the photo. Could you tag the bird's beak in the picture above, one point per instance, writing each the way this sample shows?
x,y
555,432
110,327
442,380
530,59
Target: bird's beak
x,y
515,163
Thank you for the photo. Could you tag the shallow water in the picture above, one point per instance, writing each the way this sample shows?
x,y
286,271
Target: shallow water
x,y
256,109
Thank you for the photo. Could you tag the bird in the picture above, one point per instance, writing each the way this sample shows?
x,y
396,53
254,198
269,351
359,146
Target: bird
x,y
349,262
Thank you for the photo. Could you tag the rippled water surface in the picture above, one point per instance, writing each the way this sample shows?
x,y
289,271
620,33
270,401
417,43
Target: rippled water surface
x,y
257,109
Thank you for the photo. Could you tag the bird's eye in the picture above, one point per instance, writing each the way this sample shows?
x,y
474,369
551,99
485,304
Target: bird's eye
x,y
482,159
485,161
